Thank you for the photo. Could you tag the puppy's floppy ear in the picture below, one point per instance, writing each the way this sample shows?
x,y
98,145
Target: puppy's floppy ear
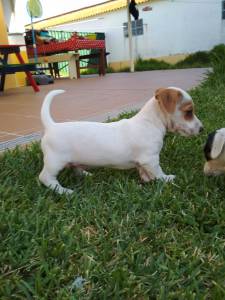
x,y
208,145
168,99
218,143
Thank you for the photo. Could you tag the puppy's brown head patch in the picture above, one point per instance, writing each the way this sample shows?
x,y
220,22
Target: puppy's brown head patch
x,y
168,99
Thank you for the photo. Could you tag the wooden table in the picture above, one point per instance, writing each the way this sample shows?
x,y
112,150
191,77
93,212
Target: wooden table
x,y
6,68
74,43
72,58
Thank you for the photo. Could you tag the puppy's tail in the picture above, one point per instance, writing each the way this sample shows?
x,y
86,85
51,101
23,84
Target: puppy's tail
x,y
45,109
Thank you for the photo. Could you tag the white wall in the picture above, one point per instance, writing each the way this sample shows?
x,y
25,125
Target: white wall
x,y
172,27
184,26
7,12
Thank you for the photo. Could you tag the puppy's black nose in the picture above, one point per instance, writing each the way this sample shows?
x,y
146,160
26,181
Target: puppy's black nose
x,y
201,129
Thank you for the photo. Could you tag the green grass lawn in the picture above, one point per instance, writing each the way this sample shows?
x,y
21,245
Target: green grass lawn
x,y
128,241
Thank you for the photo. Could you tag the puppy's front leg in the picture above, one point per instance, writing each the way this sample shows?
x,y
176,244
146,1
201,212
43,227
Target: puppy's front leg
x,y
81,172
152,170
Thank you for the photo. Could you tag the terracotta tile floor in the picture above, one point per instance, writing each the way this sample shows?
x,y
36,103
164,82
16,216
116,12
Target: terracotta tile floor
x,y
89,98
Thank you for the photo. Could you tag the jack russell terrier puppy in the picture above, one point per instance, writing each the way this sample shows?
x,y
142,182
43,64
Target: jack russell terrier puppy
x,y
128,143
215,153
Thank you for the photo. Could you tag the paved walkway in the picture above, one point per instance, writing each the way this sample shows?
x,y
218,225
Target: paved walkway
x,y
93,98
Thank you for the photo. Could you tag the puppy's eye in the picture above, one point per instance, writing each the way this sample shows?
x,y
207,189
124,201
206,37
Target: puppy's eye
x,y
189,113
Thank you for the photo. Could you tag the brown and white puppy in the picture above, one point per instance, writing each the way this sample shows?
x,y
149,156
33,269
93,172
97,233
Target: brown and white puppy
x,y
215,153
128,143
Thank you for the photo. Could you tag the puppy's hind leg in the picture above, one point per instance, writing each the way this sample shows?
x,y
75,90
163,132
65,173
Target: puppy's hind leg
x,y
144,175
48,176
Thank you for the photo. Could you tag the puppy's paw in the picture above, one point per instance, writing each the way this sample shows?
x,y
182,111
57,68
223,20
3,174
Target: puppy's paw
x,y
168,178
85,173
61,190
82,172
68,191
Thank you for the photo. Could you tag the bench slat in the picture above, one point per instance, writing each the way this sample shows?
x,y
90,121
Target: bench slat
x,y
13,68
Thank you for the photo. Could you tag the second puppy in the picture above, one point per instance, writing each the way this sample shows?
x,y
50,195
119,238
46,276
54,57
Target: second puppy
x,y
215,153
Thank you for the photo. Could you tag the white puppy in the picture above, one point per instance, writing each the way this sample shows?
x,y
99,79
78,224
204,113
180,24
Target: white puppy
x,y
128,143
